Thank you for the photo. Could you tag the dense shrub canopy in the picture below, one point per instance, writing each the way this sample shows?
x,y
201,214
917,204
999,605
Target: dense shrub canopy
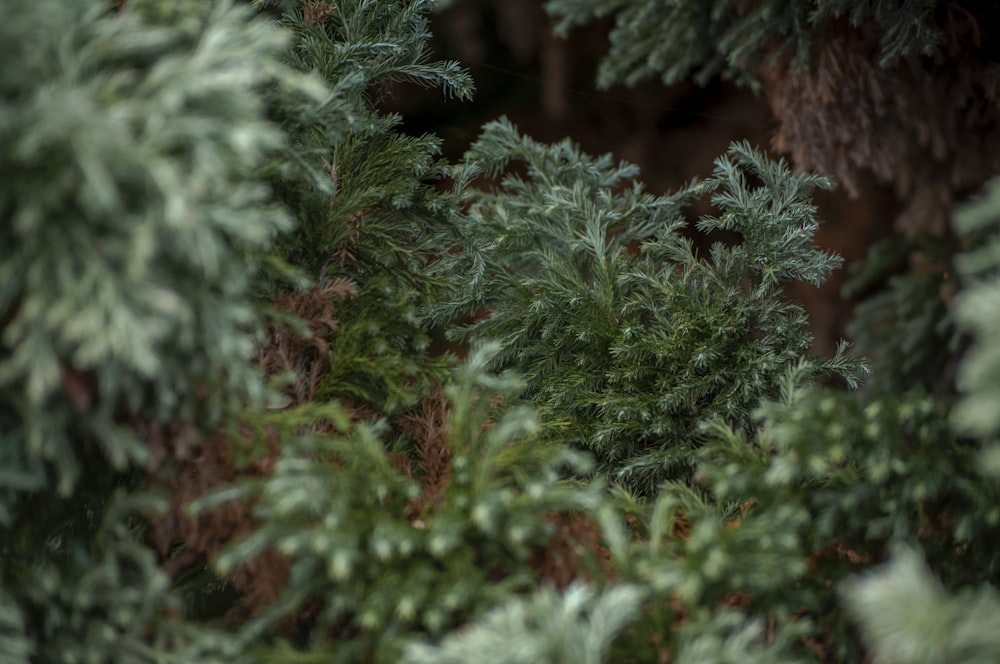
x,y
278,382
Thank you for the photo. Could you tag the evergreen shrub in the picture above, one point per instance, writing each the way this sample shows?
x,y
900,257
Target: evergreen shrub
x,y
230,430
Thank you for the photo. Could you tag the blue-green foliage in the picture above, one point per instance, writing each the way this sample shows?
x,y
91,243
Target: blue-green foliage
x,y
629,340
575,627
135,232
152,157
132,219
825,488
907,617
727,637
758,560
978,311
830,487
678,41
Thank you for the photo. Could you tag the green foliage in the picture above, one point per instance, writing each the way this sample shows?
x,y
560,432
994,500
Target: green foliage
x,y
376,562
678,41
575,627
908,618
904,324
978,311
363,192
630,342
107,602
136,231
729,638
908,610
135,228
156,157
365,195
826,487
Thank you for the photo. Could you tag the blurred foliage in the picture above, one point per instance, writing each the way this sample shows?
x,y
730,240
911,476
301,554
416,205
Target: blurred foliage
x,y
699,40
375,560
136,231
575,626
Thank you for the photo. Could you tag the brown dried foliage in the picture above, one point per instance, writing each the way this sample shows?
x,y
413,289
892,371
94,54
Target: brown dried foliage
x,y
304,356
576,541
188,466
429,427
839,552
200,466
317,11
930,126
572,551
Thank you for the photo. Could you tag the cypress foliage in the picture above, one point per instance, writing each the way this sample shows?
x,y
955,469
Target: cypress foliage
x,y
225,437
578,627
630,353
376,558
908,616
976,310
911,610
135,233
856,87
700,40
364,194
